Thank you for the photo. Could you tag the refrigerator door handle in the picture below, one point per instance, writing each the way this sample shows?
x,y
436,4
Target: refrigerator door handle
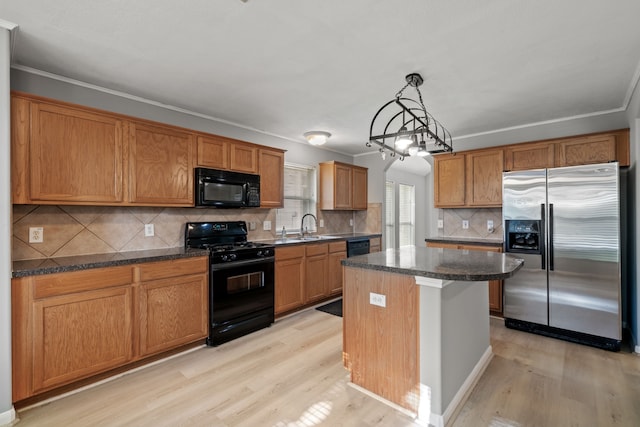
x,y
541,241
550,236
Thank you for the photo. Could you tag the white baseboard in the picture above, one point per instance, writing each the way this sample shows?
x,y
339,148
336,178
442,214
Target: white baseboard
x,y
638,349
7,417
464,391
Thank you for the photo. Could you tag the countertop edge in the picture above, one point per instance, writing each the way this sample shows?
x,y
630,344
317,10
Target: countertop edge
x,y
94,261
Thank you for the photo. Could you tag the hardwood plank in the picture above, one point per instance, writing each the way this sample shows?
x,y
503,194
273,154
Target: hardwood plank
x,y
291,374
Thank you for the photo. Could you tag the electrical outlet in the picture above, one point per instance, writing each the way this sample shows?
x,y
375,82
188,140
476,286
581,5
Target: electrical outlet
x,y
465,224
351,222
440,223
252,225
377,299
490,225
321,225
266,226
149,230
36,234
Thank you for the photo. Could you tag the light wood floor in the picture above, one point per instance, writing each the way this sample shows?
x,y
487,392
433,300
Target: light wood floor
x,y
291,375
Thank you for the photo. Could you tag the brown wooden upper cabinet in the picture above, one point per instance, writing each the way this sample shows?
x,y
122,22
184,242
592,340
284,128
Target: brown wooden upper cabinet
x,y
62,154
465,179
571,151
474,178
271,165
161,165
343,186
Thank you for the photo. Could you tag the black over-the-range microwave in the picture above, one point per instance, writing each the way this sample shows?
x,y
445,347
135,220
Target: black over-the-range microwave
x,y
226,189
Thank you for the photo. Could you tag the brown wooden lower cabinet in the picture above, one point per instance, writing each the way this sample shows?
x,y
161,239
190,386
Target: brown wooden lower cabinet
x,y
71,326
307,274
495,286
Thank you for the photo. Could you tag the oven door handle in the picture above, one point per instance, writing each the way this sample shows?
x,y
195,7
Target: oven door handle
x,y
243,263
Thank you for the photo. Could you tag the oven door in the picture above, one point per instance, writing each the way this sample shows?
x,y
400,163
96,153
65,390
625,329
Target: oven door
x,y
238,289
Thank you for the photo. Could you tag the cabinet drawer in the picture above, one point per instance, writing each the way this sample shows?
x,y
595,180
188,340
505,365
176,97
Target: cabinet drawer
x,y
79,281
289,252
338,246
312,250
176,267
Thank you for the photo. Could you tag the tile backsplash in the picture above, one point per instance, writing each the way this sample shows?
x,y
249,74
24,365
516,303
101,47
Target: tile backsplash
x,y
83,230
477,218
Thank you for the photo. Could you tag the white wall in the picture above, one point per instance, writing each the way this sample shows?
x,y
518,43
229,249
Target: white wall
x,y
7,413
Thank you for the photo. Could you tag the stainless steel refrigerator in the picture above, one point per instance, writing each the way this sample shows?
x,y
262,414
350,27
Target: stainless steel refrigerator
x,y
566,223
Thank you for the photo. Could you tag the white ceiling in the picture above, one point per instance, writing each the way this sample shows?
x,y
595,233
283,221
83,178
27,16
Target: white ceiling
x,y
285,67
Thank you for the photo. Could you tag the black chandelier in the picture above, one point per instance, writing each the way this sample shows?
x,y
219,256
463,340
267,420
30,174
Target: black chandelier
x,y
411,130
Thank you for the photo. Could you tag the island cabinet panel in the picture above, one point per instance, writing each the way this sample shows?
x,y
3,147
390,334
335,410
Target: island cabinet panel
x,y
74,155
316,272
243,158
337,252
289,278
380,344
529,156
449,180
213,152
161,165
484,178
271,164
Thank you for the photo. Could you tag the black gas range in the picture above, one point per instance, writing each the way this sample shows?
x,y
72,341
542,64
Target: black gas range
x,y
241,279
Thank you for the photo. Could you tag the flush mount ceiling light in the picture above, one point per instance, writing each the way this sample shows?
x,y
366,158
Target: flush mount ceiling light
x,y
317,137
403,126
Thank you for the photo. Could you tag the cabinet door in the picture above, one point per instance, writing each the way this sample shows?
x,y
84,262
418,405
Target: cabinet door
x,y
75,155
343,187
243,158
484,178
20,125
334,286
589,150
375,244
359,188
213,152
529,156
161,163
271,164
289,278
449,180
173,312
81,334
315,285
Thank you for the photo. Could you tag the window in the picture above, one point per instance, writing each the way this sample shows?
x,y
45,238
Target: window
x,y
389,215
406,214
299,198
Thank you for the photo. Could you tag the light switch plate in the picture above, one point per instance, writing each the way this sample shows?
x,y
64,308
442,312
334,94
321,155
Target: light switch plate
x,y
149,230
266,226
377,299
465,224
440,223
321,225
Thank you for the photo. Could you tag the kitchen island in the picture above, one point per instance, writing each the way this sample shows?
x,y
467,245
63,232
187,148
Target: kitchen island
x,y
416,329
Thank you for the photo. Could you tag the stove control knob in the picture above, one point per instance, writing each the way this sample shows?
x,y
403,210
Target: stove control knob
x,y
259,253
232,257
224,258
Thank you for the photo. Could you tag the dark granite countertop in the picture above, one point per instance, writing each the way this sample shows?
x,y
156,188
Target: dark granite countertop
x,y
35,267
437,263
294,240
466,241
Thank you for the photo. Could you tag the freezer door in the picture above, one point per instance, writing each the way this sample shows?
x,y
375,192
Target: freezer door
x,y
525,294
524,196
523,193
584,249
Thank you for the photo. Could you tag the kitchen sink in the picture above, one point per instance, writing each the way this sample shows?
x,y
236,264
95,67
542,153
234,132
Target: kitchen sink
x,y
319,237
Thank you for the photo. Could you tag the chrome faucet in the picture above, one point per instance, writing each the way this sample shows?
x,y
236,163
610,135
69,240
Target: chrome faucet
x,y
302,223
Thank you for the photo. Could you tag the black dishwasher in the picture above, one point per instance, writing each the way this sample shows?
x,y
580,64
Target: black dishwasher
x,y
358,246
